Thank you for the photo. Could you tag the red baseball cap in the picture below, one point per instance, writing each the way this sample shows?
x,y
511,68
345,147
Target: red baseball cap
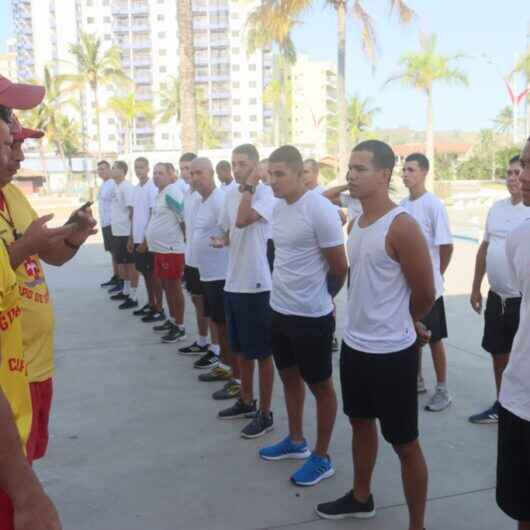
x,y
18,95
20,133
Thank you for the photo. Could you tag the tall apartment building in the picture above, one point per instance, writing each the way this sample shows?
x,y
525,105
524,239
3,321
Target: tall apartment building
x,y
230,80
8,61
314,107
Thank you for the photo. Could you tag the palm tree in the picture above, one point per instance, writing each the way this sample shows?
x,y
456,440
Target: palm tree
x,y
127,109
188,131
275,19
170,101
504,120
360,116
523,66
96,69
421,70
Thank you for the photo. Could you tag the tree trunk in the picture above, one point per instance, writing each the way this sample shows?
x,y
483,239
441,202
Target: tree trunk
x,y
98,122
62,155
44,166
341,90
188,131
429,140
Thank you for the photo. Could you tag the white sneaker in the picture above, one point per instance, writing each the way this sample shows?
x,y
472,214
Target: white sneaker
x,y
439,401
422,389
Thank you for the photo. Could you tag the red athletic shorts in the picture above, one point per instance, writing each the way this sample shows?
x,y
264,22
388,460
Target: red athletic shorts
x,y
6,512
169,266
41,402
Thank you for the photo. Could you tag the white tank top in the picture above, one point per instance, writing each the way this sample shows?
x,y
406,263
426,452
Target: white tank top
x,y
379,319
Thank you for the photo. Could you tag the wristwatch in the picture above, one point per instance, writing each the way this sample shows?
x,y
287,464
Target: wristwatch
x,y
248,187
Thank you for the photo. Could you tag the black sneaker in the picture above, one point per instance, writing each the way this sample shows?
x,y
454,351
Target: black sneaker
x,y
239,409
208,360
144,310
117,288
231,390
175,334
128,304
154,316
119,296
346,508
193,349
259,426
110,283
166,326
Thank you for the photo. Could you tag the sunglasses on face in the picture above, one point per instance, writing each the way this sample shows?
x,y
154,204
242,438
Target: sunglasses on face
x,y
513,172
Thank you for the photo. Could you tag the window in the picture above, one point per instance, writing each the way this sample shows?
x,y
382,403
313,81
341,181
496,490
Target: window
x,y
253,118
236,102
162,35
235,51
253,134
112,137
252,101
163,69
110,121
235,84
237,118
90,20
237,135
165,136
252,67
235,68
252,84
106,20
235,34
162,53
107,36
160,17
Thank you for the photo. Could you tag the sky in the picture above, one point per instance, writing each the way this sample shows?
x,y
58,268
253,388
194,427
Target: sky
x,y
489,33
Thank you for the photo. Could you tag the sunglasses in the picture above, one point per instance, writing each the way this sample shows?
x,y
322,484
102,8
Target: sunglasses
x,y
513,172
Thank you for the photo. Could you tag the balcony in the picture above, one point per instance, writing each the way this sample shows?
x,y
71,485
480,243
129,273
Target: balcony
x,y
140,8
143,78
142,45
220,95
220,43
220,60
200,23
220,112
120,28
120,9
218,24
147,96
141,61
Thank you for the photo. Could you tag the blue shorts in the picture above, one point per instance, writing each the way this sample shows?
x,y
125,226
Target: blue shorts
x,y
249,323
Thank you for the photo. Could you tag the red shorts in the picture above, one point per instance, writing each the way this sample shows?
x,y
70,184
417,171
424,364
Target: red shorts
x,y
41,402
169,266
6,512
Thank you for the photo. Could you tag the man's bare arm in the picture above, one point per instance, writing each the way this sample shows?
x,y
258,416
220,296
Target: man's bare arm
x,y
480,271
333,194
338,268
246,215
446,252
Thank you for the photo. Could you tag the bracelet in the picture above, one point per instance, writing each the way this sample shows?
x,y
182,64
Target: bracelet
x,y
71,245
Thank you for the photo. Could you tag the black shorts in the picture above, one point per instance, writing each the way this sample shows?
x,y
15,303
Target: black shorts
x,y
513,466
500,323
119,250
270,253
192,280
214,300
248,317
382,386
107,238
436,322
145,262
304,342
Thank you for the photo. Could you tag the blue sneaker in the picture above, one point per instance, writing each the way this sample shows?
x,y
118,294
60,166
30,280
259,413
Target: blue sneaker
x,y
313,471
285,449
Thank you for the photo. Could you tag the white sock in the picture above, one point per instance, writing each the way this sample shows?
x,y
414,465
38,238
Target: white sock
x,y
441,386
202,341
132,292
238,381
126,287
214,348
224,367
175,323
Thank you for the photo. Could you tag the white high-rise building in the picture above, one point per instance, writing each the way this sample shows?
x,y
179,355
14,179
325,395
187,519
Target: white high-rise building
x,y
146,31
8,61
314,107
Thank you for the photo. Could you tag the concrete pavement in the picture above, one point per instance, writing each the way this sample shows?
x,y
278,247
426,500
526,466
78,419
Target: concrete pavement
x,y
135,443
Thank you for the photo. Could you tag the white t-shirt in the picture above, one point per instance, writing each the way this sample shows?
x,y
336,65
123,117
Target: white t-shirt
x,y
431,214
212,262
164,234
144,201
227,187
248,268
515,388
105,195
299,231
192,199
183,185
319,189
353,205
503,217
119,213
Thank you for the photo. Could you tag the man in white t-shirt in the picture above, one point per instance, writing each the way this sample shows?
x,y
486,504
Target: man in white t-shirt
x,y
391,289
246,220
311,175
212,264
339,195
165,238
182,184
121,216
145,193
513,462
224,174
310,269
501,317
431,215
105,194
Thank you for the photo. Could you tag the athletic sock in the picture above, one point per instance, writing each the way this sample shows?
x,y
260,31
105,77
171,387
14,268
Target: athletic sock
x,y
132,293
202,341
215,348
441,386
224,366
126,287
238,381
175,323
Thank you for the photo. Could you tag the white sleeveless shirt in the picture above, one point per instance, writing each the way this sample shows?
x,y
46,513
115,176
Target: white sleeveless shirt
x,y
379,319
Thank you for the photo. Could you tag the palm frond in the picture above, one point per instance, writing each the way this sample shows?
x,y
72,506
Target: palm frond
x,y
368,35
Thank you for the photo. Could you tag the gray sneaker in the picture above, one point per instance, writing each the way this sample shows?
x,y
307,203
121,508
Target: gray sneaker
x,y
259,426
439,401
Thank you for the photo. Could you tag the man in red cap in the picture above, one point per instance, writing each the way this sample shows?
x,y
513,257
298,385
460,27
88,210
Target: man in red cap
x,y
23,503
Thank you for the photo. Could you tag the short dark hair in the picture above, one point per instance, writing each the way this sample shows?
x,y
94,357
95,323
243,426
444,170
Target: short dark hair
x,y
223,165
141,159
289,155
247,149
122,165
315,166
421,159
170,167
5,114
383,156
187,157
514,159
103,163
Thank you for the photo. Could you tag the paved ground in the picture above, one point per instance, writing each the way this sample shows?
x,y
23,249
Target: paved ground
x,y
136,445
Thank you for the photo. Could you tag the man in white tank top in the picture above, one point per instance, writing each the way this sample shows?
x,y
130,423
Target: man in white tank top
x,y
391,290
431,215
